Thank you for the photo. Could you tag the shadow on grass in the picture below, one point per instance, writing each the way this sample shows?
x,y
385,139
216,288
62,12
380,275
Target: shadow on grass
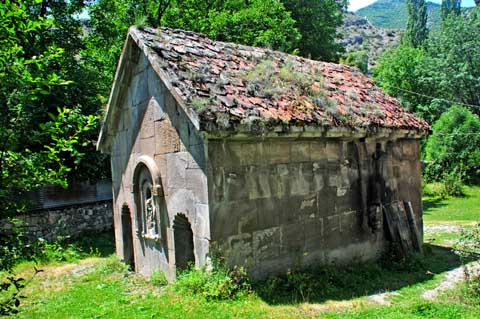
x,y
102,244
430,203
343,283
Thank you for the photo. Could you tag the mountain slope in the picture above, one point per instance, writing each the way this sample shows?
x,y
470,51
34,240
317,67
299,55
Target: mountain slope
x,y
358,34
393,13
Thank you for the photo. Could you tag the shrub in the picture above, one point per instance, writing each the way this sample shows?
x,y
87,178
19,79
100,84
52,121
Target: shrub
x,y
16,246
452,149
217,284
113,265
358,59
158,278
55,252
453,183
435,189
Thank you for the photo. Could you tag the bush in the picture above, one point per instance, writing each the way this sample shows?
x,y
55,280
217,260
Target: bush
x,y
55,252
158,278
358,59
217,284
16,246
435,189
453,183
452,150
113,265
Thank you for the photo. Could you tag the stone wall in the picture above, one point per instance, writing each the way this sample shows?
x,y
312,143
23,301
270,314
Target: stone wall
x,y
152,130
72,222
280,203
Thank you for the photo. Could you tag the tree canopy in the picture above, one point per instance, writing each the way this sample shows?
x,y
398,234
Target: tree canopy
x,y
444,72
416,32
453,145
41,134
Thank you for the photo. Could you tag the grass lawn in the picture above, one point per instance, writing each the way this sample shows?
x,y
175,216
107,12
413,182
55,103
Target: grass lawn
x,y
102,287
461,210
445,219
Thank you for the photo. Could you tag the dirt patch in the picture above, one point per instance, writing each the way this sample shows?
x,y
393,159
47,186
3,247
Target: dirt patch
x,y
57,278
381,298
441,228
57,271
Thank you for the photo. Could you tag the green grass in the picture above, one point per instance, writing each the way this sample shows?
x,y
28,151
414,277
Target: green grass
x,y
102,287
107,290
444,219
461,210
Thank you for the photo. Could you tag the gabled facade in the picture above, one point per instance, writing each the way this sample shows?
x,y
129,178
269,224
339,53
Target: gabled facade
x,y
266,159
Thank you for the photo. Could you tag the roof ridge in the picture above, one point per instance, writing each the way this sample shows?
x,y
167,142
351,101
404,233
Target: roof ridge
x,y
228,87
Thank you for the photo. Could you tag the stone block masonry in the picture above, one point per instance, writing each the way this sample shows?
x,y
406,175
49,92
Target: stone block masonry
x,y
67,222
279,203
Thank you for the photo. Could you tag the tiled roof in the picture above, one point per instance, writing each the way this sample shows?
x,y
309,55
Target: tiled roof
x,y
229,85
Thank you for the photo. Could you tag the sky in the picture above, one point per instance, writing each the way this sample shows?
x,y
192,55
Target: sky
x,y
357,4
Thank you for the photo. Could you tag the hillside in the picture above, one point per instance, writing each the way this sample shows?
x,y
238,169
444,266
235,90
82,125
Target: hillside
x,y
358,34
393,13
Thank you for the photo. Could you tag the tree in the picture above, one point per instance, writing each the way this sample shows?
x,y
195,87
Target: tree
x,y
450,7
416,32
264,23
455,67
317,21
443,72
399,72
453,146
38,135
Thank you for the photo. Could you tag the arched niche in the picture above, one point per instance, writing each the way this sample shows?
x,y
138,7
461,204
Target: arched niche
x,y
148,196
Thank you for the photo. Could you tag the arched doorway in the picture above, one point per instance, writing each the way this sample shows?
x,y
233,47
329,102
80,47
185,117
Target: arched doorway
x,y
183,238
127,235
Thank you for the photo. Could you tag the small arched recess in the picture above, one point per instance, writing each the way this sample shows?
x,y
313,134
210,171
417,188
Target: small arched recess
x,y
127,236
183,239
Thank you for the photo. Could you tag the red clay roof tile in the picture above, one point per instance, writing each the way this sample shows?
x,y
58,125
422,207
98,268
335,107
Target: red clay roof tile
x,y
244,82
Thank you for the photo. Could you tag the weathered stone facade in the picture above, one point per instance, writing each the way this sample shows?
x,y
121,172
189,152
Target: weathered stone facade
x,y
267,199
154,133
68,222
280,203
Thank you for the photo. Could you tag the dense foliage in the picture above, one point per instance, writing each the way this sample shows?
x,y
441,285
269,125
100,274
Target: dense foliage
x,y
453,146
432,79
258,22
416,31
429,80
317,22
42,132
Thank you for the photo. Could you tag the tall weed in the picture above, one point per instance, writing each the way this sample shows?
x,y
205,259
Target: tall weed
x,y
219,283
